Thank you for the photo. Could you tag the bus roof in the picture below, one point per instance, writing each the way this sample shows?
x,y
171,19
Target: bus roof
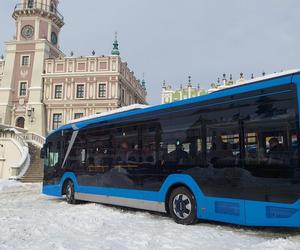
x,y
260,78
119,110
271,80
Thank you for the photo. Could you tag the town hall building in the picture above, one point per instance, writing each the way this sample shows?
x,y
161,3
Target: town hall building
x,y
41,88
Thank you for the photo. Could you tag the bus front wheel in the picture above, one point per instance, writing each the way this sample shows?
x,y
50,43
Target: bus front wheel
x,y
70,192
182,206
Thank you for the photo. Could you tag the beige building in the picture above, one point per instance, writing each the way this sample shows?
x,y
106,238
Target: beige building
x,y
172,95
168,94
41,88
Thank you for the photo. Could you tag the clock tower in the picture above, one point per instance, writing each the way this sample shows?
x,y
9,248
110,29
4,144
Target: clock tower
x,y
38,25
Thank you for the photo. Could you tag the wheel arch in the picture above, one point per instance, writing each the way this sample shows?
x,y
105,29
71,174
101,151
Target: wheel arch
x,y
178,180
68,176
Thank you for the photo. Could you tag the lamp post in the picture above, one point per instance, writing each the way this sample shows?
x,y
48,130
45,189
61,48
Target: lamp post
x,y
2,160
1,151
30,113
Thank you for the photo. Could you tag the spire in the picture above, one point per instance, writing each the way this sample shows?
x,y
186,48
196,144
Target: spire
x,y
224,80
190,81
115,50
143,81
230,82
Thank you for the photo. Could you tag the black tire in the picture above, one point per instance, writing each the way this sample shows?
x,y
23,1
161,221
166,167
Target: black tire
x,y
182,206
70,193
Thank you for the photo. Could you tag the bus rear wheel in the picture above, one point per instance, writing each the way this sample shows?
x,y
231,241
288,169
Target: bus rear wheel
x,y
70,192
182,206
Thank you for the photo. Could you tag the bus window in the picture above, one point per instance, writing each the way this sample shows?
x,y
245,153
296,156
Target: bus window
x,y
149,143
52,162
53,154
277,149
223,148
99,150
180,141
269,137
268,154
77,156
127,147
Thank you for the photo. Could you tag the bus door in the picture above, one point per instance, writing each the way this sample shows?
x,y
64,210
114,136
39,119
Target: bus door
x,y
53,159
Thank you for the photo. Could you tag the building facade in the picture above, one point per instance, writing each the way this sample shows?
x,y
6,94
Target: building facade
x,y
77,87
41,88
172,95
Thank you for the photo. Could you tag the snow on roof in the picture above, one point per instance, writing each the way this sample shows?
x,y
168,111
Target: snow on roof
x,y
257,79
274,75
115,111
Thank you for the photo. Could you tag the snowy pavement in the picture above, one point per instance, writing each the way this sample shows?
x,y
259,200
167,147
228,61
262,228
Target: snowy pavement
x,y
30,220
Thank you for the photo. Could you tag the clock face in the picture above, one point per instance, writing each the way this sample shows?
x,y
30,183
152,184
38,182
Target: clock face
x,y
27,31
53,38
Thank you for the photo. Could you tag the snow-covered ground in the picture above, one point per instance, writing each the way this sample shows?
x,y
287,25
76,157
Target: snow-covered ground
x,y
30,220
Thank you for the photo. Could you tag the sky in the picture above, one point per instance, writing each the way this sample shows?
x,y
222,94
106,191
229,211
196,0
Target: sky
x,y
172,39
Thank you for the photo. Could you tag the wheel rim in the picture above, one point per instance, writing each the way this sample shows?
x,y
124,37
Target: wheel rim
x,y
68,192
182,206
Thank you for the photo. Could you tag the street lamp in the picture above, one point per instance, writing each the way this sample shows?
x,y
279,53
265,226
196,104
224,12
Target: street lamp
x,y
1,151
30,112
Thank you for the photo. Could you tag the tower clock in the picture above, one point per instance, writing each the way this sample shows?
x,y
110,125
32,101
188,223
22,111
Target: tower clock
x,y
27,31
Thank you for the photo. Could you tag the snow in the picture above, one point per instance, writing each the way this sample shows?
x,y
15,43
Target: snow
x,y
111,112
256,79
30,220
7,184
273,75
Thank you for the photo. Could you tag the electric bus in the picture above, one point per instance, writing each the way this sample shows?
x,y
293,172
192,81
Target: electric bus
x,y
230,156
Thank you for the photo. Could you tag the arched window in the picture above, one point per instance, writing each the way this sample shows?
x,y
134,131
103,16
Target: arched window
x,y
20,122
30,4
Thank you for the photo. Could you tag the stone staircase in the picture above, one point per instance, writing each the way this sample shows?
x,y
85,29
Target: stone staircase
x,y
35,172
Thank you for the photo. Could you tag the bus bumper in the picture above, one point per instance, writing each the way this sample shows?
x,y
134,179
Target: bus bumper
x,y
52,190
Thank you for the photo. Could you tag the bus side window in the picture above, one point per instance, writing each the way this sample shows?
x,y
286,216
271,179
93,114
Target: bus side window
x,y
223,146
99,150
270,137
53,154
150,143
128,152
181,141
77,157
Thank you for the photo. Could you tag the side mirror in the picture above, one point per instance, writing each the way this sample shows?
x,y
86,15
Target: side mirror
x,y
43,153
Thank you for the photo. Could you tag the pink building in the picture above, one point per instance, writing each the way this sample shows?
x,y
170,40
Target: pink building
x,y
41,88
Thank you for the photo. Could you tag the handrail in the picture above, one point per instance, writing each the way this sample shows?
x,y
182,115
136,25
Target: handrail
x,y
12,135
34,138
20,169
17,171
36,6
16,129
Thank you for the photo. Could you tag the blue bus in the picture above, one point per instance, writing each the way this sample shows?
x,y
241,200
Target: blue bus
x,y
230,156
